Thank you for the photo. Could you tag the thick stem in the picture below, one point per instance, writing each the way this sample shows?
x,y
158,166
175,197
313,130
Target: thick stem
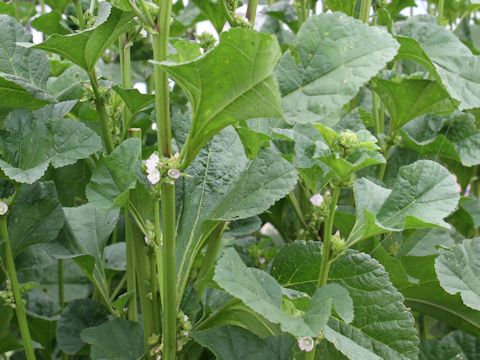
x,y
364,14
17,293
102,112
441,5
159,247
302,11
162,108
131,283
327,240
252,11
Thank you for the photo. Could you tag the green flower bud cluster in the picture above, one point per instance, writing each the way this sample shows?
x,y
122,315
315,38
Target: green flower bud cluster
x,y
338,244
206,40
184,326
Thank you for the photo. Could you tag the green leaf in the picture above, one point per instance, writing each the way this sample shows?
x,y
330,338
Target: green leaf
x,y
458,270
134,100
68,85
51,23
85,238
455,136
23,72
223,185
260,292
382,327
37,216
115,175
244,62
406,99
77,316
445,56
455,345
212,9
85,47
30,141
235,343
118,339
329,64
424,194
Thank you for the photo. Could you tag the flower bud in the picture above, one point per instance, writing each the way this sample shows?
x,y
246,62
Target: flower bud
x,y
306,343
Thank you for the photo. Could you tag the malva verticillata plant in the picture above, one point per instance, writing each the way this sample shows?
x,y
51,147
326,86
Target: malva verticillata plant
x,y
302,182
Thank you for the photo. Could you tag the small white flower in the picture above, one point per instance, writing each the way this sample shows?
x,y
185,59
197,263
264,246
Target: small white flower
x,y
185,318
3,207
316,200
147,240
174,173
268,230
153,177
152,163
306,343
262,260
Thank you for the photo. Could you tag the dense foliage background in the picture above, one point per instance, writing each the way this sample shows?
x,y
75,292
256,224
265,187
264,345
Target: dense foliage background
x,y
260,180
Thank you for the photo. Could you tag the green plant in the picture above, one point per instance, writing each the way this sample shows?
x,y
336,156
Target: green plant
x,y
310,190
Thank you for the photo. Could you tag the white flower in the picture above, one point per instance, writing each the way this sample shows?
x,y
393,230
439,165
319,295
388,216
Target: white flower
x,y
306,343
262,260
152,163
153,177
185,318
316,200
147,240
3,207
268,230
174,173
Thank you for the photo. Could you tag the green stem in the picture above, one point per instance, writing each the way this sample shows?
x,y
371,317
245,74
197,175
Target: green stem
x,y
364,14
93,5
252,11
61,284
327,240
302,11
79,11
125,66
164,139
214,242
310,355
17,293
131,283
159,247
102,112
441,5
297,208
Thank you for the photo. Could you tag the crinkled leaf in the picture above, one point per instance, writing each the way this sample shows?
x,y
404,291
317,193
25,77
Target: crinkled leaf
x,y
455,136
423,194
458,271
441,52
261,293
330,63
85,47
23,72
37,216
235,343
118,339
77,316
115,175
455,345
30,141
406,99
382,328
232,82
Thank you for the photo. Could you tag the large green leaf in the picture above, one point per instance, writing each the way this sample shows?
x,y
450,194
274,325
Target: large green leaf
x,y
23,72
30,141
118,339
442,53
406,99
36,217
224,185
458,271
233,82
85,238
115,175
77,316
382,327
213,10
235,343
456,345
85,47
455,136
423,194
334,55
261,293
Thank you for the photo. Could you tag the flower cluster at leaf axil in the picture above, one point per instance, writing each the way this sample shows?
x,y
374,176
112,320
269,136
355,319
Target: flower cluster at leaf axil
x,y
184,326
162,169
